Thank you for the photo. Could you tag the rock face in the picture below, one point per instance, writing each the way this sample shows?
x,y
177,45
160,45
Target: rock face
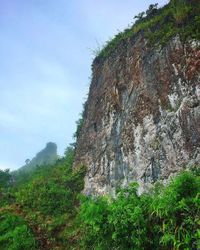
x,y
142,116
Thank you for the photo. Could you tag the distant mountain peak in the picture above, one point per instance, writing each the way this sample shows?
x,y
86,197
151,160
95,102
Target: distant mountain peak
x,y
46,156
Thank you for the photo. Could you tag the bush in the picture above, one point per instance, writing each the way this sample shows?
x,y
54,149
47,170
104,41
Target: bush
x,y
114,223
46,196
52,190
94,216
177,211
127,221
165,218
181,10
15,234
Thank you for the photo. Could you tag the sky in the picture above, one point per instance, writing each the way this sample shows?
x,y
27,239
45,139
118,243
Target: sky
x,y
46,52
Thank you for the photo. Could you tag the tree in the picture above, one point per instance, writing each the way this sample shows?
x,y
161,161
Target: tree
x,y
152,9
27,161
79,125
139,16
4,178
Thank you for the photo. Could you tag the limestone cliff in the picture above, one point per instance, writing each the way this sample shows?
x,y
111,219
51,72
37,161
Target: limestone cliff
x,y
142,116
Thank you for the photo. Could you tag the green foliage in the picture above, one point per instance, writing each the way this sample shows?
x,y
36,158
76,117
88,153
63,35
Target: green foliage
x,y
166,218
5,178
94,219
159,25
48,156
195,170
152,10
53,189
15,234
47,198
5,182
79,125
181,9
114,223
177,211
80,121
126,220
139,16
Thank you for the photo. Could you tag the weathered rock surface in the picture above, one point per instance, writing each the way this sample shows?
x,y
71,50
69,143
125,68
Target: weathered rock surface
x,y
142,116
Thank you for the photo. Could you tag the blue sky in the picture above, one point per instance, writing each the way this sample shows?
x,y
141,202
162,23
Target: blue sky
x,y
46,52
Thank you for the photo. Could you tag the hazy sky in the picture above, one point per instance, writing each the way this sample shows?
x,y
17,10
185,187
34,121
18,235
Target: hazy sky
x,y
45,58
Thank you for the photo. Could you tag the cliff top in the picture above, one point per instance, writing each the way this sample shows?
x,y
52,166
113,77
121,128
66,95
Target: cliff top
x,y
159,25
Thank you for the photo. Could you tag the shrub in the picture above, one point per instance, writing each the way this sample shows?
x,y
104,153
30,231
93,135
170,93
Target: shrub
x,y
52,190
93,217
127,221
15,234
181,10
176,211
165,218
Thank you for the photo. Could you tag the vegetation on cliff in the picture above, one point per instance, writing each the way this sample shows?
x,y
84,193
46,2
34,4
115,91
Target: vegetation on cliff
x,y
179,17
